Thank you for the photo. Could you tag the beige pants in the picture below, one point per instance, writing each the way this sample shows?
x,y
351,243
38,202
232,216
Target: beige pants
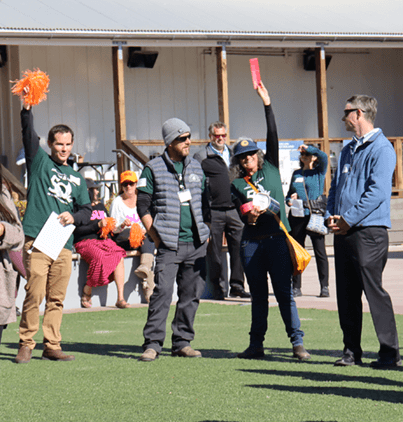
x,y
45,277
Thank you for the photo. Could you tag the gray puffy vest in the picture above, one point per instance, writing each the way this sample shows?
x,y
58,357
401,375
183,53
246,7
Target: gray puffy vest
x,y
166,204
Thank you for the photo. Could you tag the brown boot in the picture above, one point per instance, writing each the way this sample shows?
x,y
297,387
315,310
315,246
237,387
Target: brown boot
x,y
148,286
300,353
187,352
58,355
24,355
146,264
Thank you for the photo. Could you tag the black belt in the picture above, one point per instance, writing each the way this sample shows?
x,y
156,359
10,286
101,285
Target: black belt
x,y
223,208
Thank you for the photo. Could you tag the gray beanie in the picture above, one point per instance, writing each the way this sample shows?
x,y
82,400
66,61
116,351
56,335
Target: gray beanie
x,y
173,128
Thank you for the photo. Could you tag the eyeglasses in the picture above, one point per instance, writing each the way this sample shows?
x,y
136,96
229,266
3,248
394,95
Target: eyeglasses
x,y
246,154
126,184
219,136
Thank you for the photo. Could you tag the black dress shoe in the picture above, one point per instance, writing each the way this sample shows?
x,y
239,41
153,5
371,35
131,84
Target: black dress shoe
x,y
252,353
239,292
383,363
347,360
219,296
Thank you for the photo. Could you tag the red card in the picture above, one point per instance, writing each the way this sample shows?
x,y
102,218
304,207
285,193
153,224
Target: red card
x,y
254,68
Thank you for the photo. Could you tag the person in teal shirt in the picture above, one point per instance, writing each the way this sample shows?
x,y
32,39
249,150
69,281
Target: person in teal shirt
x,y
169,204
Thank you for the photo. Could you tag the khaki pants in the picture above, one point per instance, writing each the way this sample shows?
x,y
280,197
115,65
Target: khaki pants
x,y
45,277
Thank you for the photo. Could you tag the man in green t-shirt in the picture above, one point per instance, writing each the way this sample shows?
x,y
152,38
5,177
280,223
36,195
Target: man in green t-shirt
x,y
53,186
169,204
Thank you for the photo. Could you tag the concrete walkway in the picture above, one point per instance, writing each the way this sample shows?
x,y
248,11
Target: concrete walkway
x,y
392,282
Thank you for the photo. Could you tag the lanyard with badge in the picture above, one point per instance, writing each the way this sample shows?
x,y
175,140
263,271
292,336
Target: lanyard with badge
x,y
183,194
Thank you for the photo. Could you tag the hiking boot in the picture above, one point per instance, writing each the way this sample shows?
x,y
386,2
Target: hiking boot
x,y
24,355
56,355
324,292
252,352
187,352
300,353
296,292
149,355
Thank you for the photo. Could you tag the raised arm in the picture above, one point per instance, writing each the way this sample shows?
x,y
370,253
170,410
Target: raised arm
x,y
271,137
29,137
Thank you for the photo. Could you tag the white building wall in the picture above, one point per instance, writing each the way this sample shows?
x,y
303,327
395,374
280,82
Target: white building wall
x,y
183,84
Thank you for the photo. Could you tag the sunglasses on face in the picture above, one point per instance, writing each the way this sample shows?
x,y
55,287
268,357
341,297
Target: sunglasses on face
x,y
246,154
126,184
305,154
182,138
219,136
349,110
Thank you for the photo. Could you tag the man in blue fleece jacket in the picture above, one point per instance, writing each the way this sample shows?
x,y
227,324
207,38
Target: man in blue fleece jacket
x,y
358,213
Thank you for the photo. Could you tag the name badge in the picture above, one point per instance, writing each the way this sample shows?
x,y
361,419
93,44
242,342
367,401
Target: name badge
x,y
299,180
184,196
346,168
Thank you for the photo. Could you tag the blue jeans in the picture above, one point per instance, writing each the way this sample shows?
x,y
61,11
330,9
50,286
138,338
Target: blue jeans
x,y
270,255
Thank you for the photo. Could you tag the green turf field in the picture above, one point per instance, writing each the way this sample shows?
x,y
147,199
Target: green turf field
x,y
106,382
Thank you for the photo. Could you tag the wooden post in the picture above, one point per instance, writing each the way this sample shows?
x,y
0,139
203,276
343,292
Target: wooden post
x,y
321,95
222,86
119,100
399,166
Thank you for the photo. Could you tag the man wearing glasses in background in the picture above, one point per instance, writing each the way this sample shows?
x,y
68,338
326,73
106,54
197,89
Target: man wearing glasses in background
x,y
358,213
215,161
169,204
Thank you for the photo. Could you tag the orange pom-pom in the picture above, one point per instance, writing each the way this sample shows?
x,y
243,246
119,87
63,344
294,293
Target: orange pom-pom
x,y
136,236
109,228
37,83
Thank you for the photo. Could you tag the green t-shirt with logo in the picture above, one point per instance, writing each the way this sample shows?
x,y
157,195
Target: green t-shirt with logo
x,y
51,187
187,222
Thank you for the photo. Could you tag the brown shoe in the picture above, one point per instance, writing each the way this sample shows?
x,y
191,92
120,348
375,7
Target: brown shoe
x,y
58,355
301,353
24,355
149,355
188,352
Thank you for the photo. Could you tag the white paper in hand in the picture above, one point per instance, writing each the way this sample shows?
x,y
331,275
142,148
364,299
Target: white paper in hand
x,y
53,237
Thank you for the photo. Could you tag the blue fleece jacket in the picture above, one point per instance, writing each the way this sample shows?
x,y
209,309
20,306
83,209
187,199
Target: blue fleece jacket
x,y
362,186
314,179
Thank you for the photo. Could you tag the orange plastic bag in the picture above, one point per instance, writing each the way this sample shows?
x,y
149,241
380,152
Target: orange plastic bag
x,y
300,257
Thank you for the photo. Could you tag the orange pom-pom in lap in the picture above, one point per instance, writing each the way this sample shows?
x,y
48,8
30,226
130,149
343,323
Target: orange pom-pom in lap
x,y
37,83
109,228
136,236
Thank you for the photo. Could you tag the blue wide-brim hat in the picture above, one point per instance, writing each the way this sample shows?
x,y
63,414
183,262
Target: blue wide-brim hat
x,y
245,145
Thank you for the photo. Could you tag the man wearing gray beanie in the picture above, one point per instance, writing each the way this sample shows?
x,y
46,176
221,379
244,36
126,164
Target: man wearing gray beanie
x,y
169,204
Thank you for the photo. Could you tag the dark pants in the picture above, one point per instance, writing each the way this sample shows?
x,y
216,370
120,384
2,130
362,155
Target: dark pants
x,y
360,257
227,222
1,331
187,266
299,232
270,255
